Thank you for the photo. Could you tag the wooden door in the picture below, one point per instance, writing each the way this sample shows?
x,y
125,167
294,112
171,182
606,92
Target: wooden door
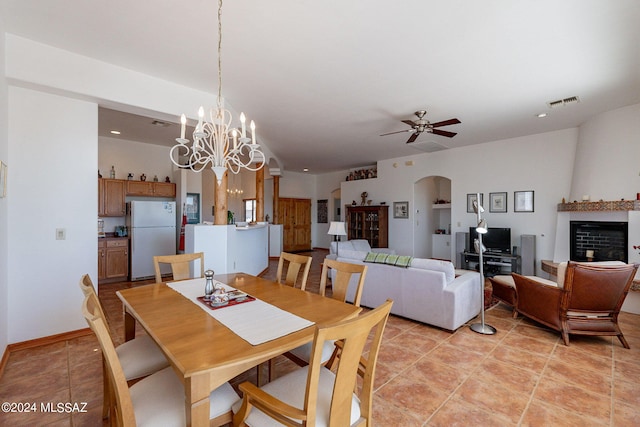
x,y
295,216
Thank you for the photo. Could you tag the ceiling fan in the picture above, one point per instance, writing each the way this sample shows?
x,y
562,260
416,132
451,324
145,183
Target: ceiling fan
x,y
423,125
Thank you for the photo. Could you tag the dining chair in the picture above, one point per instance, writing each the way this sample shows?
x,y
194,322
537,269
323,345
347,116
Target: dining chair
x,y
294,263
139,357
344,271
179,265
314,395
157,399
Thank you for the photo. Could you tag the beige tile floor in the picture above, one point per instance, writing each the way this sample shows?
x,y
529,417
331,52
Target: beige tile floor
x,y
522,376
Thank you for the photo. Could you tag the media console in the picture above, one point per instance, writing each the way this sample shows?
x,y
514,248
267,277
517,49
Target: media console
x,y
494,264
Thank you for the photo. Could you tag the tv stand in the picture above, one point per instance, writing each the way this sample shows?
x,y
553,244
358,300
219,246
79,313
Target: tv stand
x,y
494,264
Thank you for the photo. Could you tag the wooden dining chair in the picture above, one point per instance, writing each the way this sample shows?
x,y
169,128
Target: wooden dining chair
x,y
157,399
344,272
294,263
314,395
139,357
179,265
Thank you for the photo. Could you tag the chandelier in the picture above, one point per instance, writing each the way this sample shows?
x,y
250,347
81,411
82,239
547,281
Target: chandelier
x,y
215,142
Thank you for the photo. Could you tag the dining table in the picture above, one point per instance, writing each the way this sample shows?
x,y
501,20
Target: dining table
x,y
204,352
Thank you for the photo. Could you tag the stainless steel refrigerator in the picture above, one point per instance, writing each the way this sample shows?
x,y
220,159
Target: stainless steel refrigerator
x,y
152,227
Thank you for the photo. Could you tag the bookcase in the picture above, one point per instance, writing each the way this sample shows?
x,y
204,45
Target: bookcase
x,y
370,223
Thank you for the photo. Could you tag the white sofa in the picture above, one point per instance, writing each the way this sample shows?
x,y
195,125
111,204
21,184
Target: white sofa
x,y
428,291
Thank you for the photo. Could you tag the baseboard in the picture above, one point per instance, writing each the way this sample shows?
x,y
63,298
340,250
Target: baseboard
x,y
51,339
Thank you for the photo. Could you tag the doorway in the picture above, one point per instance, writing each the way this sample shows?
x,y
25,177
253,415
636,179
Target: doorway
x,y
432,226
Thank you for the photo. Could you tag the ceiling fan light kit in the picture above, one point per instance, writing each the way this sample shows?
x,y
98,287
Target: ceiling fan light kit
x,y
423,125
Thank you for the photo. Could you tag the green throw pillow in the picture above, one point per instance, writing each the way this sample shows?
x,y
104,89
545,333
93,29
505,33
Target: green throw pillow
x,y
404,261
391,259
381,257
371,257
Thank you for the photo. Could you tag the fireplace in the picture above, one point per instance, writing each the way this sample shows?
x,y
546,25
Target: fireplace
x,y
607,240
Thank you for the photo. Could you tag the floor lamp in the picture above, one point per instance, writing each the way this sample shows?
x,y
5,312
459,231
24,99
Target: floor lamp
x,y
337,229
481,327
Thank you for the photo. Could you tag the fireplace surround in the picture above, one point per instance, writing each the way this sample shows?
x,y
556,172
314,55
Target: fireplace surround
x,y
599,240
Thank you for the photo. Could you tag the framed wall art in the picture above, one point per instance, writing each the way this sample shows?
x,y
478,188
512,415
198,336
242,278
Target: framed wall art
x,y
498,202
471,197
323,213
401,210
523,201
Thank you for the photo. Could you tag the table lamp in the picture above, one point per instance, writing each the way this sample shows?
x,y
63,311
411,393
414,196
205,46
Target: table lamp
x,y
337,229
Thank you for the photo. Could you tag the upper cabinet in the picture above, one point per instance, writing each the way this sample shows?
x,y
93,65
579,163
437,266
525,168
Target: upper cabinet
x,y
151,189
111,197
112,193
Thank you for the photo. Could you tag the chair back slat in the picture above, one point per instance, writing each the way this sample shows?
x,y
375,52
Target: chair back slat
x,y
340,285
179,265
294,263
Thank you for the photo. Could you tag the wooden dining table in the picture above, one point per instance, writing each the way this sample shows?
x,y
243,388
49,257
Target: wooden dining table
x,y
202,351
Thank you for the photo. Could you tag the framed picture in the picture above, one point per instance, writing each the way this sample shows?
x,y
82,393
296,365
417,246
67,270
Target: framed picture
x,y
323,214
3,180
523,201
498,202
471,197
192,208
401,210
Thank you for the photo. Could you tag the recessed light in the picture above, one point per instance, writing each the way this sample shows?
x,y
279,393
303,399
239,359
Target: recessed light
x,y
305,170
115,132
541,115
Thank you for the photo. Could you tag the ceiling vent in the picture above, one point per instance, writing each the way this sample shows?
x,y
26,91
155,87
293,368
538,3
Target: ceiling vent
x,y
160,123
427,146
563,102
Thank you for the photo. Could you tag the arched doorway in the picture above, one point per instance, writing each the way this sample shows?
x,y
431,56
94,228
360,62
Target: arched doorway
x,y
432,225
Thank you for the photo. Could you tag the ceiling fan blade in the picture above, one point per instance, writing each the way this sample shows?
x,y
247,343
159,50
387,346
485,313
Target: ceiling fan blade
x,y
443,133
400,131
409,122
446,123
412,138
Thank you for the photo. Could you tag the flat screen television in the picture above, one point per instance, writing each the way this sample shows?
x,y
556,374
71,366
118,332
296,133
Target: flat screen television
x,y
496,240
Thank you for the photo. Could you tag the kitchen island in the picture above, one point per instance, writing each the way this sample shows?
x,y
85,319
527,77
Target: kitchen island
x,y
228,249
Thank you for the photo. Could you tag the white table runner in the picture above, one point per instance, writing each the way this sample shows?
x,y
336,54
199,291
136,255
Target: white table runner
x,y
256,321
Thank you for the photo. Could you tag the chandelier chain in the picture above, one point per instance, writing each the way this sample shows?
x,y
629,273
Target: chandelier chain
x,y
219,54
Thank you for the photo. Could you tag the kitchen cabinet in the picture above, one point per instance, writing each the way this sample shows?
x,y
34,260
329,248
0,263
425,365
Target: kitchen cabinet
x,y
370,223
151,189
113,259
111,197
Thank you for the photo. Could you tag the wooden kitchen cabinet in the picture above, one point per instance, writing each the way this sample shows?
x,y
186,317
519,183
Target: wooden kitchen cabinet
x,y
113,259
111,197
151,189
370,223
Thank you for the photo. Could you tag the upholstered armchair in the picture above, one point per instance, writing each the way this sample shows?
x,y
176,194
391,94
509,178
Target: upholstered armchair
x,y
585,301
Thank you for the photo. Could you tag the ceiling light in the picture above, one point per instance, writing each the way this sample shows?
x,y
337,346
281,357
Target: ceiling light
x,y
305,170
115,132
215,143
541,115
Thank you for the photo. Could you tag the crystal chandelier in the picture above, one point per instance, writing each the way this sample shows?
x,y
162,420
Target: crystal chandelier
x,y
215,142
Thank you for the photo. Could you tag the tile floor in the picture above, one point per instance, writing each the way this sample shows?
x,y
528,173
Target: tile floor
x,y
521,376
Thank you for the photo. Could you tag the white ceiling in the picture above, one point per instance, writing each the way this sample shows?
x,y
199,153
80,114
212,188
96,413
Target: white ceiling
x,y
323,79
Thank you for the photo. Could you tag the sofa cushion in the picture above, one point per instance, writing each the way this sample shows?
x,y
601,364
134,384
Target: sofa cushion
x,y
351,254
361,245
433,264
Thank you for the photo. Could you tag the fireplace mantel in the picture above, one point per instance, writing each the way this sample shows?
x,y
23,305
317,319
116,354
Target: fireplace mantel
x,y
601,206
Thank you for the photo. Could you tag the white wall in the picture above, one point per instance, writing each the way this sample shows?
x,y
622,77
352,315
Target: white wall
x,y
54,158
325,185
4,222
133,157
542,163
607,162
